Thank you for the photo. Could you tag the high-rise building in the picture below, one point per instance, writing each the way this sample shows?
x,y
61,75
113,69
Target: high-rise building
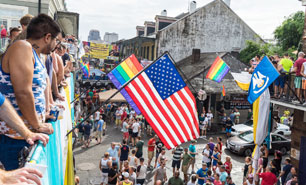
x,y
94,35
110,37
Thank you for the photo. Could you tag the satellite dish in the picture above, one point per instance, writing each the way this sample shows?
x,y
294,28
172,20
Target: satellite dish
x,y
202,95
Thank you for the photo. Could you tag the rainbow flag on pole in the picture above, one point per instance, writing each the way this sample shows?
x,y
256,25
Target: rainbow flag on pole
x,y
122,74
85,68
223,90
218,70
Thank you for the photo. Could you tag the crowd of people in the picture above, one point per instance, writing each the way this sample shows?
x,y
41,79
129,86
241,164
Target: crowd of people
x,y
289,69
33,70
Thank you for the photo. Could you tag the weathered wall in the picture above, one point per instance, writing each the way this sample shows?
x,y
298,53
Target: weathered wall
x,y
212,28
297,131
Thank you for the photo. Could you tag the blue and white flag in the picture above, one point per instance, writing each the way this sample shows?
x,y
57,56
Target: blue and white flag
x,y
262,77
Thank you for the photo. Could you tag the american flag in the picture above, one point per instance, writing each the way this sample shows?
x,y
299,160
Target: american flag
x,y
166,102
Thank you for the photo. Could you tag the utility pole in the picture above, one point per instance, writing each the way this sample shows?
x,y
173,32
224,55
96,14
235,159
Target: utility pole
x,y
39,6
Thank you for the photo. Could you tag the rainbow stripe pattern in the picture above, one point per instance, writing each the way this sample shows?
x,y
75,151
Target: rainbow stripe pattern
x,y
218,70
85,68
125,71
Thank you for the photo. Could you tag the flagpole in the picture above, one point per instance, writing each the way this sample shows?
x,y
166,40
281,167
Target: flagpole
x,y
114,94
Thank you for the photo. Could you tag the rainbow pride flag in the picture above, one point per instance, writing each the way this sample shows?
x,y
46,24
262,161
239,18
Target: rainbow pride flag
x,y
218,70
125,71
223,90
85,68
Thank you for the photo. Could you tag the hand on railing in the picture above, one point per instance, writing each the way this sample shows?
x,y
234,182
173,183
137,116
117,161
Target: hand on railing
x,y
32,137
45,128
22,176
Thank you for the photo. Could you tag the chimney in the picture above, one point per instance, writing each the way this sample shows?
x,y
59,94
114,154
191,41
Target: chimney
x,y
228,2
164,13
193,6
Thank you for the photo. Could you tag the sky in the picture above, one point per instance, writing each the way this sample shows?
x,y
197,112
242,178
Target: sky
x,y
122,16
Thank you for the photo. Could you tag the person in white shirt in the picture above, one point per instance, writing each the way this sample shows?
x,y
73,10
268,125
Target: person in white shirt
x,y
210,117
141,172
97,118
135,127
206,156
118,114
205,123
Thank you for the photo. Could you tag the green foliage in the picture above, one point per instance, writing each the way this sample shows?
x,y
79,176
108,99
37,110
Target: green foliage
x,y
252,49
289,34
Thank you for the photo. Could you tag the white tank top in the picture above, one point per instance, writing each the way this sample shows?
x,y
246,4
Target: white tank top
x,y
104,163
132,161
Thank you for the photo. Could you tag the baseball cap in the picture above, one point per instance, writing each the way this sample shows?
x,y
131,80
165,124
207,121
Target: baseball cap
x,y
125,174
193,141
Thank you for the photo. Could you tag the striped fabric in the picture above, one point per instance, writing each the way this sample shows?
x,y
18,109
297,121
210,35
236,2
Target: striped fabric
x,y
168,105
123,73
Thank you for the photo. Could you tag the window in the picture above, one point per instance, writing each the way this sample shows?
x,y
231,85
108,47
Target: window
x,y
148,52
15,23
144,52
277,138
152,54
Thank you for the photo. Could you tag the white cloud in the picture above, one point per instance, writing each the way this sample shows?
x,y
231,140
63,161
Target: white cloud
x,y
122,16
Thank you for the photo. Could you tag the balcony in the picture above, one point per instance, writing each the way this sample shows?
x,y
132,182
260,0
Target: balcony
x,y
55,160
290,99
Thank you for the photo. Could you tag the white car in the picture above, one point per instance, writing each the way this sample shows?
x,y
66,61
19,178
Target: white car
x,y
281,129
243,127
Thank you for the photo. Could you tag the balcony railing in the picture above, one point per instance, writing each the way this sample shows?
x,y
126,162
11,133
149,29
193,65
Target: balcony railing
x,y
57,157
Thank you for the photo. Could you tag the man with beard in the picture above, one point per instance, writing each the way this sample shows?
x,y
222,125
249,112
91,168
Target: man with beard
x,y
23,81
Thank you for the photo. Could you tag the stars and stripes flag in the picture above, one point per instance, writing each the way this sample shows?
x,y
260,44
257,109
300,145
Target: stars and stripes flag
x,y
165,100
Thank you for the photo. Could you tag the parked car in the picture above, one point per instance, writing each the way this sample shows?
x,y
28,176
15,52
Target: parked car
x,y
243,144
248,125
243,127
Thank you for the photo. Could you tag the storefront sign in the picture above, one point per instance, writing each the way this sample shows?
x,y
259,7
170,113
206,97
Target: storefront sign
x,y
240,102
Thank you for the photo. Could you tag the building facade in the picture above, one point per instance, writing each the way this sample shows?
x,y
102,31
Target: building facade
x,y
213,28
12,10
94,35
110,37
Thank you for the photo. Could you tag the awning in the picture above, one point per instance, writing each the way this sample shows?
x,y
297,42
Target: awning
x,y
103,96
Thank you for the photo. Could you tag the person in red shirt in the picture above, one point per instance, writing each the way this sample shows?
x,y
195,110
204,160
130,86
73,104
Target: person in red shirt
x,y
3,35
124,115
151,148
268,178
298,76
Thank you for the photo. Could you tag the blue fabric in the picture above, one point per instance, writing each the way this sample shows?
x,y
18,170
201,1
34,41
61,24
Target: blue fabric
x,y
192,149
263,76
165,77
2,98
223,177
114,153
9,150
202,173
38,86
100,125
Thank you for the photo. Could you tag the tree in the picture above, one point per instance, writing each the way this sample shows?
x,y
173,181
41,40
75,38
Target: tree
x,y
252,49
289,33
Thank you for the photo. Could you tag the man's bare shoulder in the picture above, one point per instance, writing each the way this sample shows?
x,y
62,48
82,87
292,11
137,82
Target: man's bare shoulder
x,y
20,46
